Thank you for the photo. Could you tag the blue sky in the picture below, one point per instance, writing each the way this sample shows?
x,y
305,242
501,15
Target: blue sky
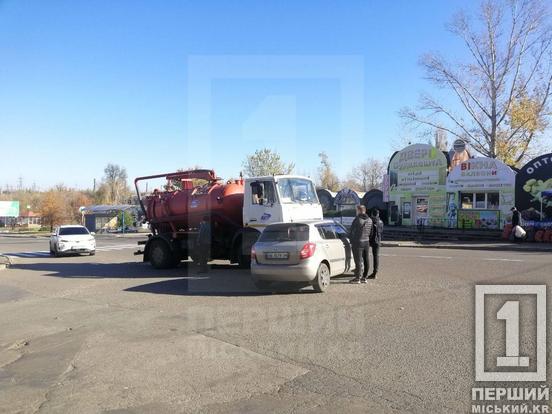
x,y
156,86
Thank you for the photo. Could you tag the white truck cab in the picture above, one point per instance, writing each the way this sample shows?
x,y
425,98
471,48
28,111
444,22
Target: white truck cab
x,y
279,198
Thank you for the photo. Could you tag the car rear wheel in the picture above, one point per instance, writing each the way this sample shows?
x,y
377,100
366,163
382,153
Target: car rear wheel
x,y
322,279
93,252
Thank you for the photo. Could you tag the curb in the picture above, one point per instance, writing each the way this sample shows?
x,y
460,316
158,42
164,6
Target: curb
x,y
5,262
25,236
512,248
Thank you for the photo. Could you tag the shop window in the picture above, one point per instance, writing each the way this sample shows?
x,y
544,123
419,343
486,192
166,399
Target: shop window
x,y
479,200
467,200
493,201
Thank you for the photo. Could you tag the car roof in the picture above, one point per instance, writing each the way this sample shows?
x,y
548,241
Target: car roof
x,y
70,225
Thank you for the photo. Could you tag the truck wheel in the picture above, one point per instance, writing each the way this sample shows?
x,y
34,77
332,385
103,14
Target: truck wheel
x,y
322,279
160,255
244,262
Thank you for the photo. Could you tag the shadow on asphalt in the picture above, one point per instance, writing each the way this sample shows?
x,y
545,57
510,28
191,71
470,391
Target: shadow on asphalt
x,y
210,287
109,270
221,280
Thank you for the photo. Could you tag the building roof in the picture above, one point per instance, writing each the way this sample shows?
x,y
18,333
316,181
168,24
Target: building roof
x,y
107,208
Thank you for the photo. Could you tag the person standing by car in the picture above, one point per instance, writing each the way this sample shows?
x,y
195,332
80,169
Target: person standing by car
x,y
360,234
204,244
375,240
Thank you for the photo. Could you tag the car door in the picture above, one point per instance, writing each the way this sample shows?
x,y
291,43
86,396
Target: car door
x,y
260,207
333,248
346,252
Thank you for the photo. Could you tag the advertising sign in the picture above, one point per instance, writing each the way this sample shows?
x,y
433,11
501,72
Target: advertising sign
x,y
424,164
481,173
479,219
9,208
532,179
419,170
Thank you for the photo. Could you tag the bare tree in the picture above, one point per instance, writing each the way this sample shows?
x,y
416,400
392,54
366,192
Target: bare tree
x,y
328,179
114,188
266,162
503,90
368,174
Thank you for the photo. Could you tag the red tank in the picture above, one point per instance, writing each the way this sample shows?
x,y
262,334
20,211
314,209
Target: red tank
x,y
182,205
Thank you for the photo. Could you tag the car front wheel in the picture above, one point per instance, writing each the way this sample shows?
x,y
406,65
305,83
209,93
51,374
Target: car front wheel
x,y
322,279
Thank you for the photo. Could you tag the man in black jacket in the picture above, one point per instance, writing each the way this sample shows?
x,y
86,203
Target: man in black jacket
x,y
360,234
375,241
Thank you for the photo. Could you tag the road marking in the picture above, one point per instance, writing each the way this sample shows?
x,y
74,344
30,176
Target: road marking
x,y
504,260
44,253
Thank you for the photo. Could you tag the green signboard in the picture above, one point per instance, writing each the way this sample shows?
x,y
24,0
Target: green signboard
x,y
9,208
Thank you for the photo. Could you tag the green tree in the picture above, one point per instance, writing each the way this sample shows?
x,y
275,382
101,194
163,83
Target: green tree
x,y
266,162
128,219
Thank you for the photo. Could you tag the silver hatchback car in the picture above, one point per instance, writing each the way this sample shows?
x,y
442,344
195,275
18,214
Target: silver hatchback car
x,y
304,252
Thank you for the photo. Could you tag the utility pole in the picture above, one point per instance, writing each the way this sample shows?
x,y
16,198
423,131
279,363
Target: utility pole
x,y
20,183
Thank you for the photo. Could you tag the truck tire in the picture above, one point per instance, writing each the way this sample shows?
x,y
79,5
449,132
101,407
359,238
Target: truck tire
x,y
160,255
244,261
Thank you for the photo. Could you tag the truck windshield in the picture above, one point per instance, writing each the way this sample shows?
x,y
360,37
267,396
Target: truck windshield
x,y
296,190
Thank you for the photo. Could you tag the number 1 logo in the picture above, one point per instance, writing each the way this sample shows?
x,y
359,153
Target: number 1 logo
x,y
509,312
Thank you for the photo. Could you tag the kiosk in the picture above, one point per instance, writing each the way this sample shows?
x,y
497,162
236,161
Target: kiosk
x,y
417,193
480,194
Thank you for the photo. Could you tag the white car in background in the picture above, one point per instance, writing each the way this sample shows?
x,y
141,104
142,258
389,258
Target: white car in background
x,y
72,239
308,252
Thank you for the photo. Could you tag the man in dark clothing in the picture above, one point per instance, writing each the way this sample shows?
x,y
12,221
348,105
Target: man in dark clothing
x,y
204,244
516,221
375,240
359,234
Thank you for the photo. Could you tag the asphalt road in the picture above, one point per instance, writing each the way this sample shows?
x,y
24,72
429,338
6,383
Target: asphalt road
x,y
110,334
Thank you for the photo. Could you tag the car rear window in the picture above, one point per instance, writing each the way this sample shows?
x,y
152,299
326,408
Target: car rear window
x,y
285,232
70,231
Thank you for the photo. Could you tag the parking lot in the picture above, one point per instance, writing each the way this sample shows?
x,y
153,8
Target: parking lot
x,y
108,333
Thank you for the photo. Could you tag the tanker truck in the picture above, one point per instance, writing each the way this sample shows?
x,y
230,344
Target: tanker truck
x,y
238,211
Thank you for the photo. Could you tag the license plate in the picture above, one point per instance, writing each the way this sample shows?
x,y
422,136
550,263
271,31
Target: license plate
x,y
277,255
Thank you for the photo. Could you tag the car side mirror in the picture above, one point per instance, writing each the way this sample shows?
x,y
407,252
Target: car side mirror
x,y
93,233
52,234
